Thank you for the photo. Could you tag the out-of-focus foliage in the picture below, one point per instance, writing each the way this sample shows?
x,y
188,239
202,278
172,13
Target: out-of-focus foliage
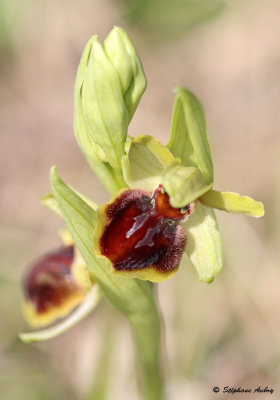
x,y
5,31
24,375
163,20
9,12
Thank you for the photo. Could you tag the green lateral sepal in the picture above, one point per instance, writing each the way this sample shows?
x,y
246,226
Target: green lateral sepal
x,y
204,244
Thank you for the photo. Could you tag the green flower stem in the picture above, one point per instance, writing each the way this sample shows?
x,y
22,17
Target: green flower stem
x,y
151,380
100,383
146,330
132,297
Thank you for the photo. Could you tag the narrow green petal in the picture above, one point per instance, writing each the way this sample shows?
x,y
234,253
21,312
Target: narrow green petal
x,y
183,184
123,56
204,245
233,203
188,138
144,162
49,201
88,304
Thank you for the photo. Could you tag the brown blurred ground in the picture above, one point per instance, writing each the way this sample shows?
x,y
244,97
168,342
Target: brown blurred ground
x,y
223,334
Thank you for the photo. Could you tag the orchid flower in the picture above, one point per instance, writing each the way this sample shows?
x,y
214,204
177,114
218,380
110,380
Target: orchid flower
x,y
162,205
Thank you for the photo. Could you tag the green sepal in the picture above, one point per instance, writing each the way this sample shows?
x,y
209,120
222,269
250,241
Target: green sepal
x,y
183,184
204,244
144,162
88,304
233,203
188,138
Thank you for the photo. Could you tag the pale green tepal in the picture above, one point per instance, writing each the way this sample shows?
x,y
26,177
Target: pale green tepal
x,y
109,85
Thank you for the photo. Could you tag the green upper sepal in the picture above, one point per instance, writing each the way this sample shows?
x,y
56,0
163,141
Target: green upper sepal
x,y
233,203
109,84
188,138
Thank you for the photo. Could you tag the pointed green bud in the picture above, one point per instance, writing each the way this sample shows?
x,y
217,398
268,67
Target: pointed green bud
x,y
144,162
233,203
104,112
183,184
204,244
188,138
110,82
123,56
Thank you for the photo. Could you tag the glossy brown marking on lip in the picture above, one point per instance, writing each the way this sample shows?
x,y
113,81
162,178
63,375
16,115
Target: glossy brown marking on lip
x,y
49,283
142,231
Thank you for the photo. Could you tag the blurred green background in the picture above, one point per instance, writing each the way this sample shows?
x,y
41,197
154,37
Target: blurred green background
x,y
227,52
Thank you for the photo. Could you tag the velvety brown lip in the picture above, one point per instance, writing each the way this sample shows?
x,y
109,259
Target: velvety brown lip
x,y
142,231
49,282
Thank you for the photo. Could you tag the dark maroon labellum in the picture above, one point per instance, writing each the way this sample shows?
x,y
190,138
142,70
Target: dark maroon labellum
x,y
143,232
50,283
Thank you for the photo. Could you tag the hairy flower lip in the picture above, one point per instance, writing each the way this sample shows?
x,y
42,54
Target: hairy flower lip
x,y
138,233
